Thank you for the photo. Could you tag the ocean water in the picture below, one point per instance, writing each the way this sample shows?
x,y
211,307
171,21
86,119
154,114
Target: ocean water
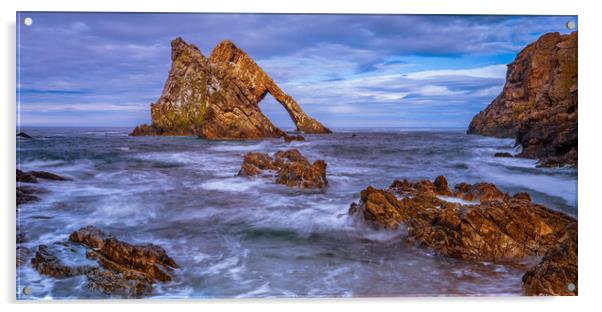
x,y
249,237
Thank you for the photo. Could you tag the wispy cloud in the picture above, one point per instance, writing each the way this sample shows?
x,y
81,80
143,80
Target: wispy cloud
x,y
345,70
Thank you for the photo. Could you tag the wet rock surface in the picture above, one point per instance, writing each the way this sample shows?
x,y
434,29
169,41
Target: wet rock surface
x,y
538,105
122,269
557,273
217,97
290,167
27,193
47,263
475,222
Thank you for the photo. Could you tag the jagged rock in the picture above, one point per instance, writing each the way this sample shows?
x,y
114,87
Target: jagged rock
x,y
218,97
479,191
441,186
145,130
28,194
149,260
119,284
556,274
33,176
48,264
503,155
23,176
493,226
24,135
538,105
48,176
125,270
290,167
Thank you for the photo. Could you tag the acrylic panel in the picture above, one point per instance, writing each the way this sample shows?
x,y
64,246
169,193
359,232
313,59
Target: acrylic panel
x,y
193,155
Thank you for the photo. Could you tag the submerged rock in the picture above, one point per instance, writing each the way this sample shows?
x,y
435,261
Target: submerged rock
x,y
290,138
291,168
28,194
538,105
218,97
33,176
503,155
24,135
48,264
23,255
124,269
477,222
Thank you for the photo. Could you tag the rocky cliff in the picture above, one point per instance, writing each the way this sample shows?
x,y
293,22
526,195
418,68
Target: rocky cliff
x,y
218,97
538,105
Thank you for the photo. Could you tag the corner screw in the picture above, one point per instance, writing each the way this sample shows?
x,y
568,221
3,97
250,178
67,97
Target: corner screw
x,y
571,287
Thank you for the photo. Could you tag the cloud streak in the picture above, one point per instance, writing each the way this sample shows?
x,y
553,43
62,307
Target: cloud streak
x,y
345,70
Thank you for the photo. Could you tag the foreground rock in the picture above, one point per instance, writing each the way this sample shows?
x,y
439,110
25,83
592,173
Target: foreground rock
x,y
218,97
290,168
123,269
557,272
474,222
538,105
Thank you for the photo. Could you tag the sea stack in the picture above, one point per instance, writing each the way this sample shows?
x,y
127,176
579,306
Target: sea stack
x,y
218,97
538,105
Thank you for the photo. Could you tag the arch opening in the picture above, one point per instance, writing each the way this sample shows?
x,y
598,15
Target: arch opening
x,y
276,113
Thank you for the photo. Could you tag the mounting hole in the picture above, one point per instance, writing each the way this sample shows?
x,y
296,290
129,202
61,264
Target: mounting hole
x,y
27,290
571,287
27,21
571,25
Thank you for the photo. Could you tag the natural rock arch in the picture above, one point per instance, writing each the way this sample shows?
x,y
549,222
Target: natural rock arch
x,y
218,97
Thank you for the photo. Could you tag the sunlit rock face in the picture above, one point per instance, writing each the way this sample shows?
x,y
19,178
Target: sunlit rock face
x,y
538,105
218,97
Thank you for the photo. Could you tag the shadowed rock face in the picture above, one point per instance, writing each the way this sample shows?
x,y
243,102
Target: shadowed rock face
x,y
218,97
538,105
478,222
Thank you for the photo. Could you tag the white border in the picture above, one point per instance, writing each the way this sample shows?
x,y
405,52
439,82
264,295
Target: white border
x,y
589,170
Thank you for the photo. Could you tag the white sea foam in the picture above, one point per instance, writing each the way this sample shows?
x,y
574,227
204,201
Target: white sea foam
x,y
236,184
457,200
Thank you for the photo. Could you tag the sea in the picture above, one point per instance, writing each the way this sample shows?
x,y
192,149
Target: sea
x,y
240,237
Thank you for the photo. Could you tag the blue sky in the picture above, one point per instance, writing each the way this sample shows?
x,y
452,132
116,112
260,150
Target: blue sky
x,y
86,69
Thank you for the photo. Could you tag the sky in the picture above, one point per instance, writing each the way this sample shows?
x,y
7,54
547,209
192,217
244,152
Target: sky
x,y
433,71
